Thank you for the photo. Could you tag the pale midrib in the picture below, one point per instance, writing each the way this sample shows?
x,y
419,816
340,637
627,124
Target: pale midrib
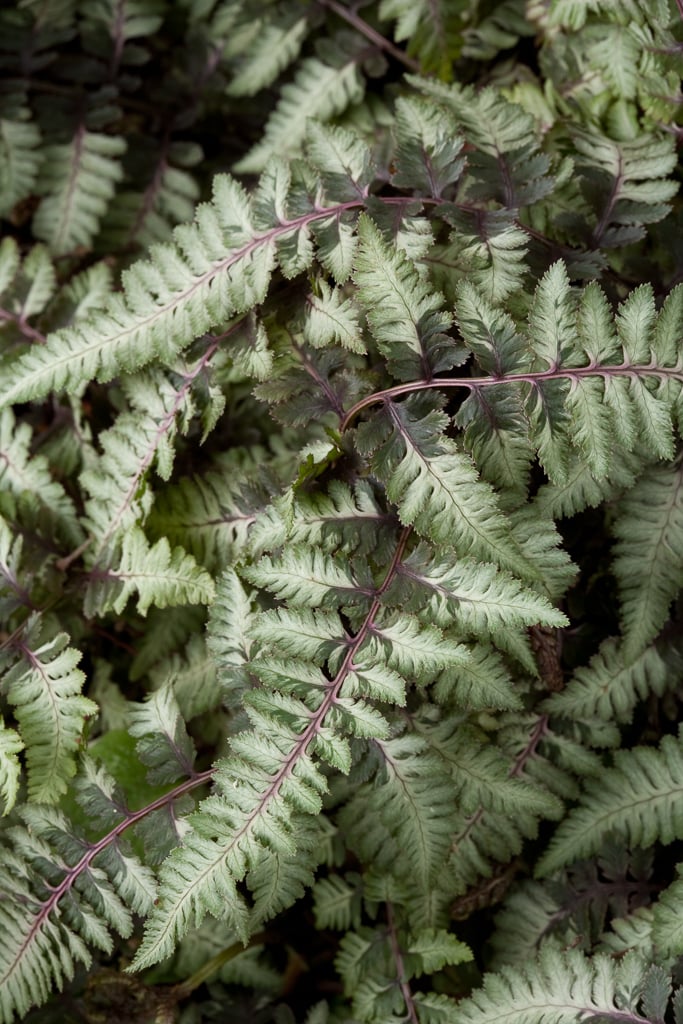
x,y
78,148
162,427
47,685
179,298
443,485
619,1016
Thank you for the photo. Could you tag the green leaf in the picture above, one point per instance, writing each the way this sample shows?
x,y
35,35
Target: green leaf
x,y
648,559
561,986
10,768
436,948
20,159
319,90
428,152
332,319
639,799
44,688
311,578
436,488
160,577
80,182
404,314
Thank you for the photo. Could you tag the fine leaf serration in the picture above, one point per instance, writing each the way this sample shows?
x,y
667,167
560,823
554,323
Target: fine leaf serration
x,y
341,530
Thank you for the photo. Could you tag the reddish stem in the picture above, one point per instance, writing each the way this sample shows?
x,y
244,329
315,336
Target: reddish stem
x,y
86,860
573,373
400,967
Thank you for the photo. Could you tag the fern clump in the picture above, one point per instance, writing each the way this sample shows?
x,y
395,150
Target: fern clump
x,y
341,541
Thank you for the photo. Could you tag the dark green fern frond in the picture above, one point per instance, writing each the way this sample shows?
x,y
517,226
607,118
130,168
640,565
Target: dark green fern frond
x,y
639,799
77,188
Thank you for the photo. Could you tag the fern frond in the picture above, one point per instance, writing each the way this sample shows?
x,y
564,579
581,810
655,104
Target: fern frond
x,y
10,769
233,838
337,901
192,677
26,288
379,967
342,519
436,487
141,437
496,437
572,14
486,249
487,833
630,933
259,825
160,576
482,681
311,578
229,637
275,42
648,562
163,743
95,887
31,962
219,266
612,684
416,651
343,161
78,182
141,218
476,597
20,158
580,490
44,688
321,89
429,155
508,165
404,314
667,925
434,31
168,630
24,475
574,908
212,514
562,986
402,822
572,397
629,183
332,319
137,19
639,799
499,30
302,634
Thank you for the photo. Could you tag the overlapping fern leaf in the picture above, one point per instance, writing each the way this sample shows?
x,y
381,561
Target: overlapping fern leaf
x,y
64,888
362,610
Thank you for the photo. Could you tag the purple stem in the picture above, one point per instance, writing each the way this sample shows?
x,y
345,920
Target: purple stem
x,y
202,777
318,717
353,19
18,318
163,427
60,890
537,733
617,184
400,968
573,373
